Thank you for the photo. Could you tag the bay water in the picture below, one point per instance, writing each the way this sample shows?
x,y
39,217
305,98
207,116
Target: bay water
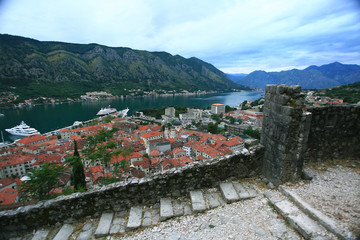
x,y
49,117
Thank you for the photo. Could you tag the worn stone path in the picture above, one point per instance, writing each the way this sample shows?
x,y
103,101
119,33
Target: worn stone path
x,y
234,210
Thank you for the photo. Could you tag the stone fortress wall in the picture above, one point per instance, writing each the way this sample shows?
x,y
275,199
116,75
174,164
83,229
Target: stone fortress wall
x,y
284,133
123,195
291,134
334,133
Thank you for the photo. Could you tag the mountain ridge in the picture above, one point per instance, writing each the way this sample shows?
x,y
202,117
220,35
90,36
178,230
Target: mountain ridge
x,y
36,68
313,77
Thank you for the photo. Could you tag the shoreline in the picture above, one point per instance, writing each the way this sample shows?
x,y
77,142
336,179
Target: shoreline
x,y
56,102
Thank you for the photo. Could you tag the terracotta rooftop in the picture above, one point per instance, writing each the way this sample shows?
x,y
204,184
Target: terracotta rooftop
x,y
151,134
8,196
32,139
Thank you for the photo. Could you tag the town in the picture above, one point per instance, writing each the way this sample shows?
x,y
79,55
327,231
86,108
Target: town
x,y
152,146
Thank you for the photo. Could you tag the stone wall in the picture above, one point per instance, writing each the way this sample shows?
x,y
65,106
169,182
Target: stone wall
x,y
284,133
123,195
334,133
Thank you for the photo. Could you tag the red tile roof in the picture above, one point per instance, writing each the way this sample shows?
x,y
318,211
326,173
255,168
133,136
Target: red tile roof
x,y
8,196
155,152
232,143
151,134
32,139
6,181
177,150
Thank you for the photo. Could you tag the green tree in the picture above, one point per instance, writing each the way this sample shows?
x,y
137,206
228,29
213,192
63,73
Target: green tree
x,y
229,109
42,181
216,117
213,128
252,133
77,169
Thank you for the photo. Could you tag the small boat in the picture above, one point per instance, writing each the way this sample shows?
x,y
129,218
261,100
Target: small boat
x,y
2,115
106,111
123,113
22,130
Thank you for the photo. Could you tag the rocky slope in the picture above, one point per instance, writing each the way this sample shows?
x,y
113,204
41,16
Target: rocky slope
x,y
36,68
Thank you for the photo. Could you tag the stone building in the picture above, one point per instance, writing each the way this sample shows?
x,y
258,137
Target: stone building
x,y
217,108
170,112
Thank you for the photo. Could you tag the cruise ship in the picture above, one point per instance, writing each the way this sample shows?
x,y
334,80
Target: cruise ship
x,y
106,111
22,130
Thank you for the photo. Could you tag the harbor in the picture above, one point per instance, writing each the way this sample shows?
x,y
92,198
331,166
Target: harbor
x,y
50,118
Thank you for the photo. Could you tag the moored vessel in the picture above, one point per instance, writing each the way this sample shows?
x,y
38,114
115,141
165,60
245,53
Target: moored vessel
x,y
106,111
22,130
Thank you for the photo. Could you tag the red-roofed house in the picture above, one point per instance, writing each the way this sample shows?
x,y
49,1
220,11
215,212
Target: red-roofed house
x,y
16,164
47,158
166,164
234,145
152,136
182,161
37,138
8,196
7,183
155,153
178,152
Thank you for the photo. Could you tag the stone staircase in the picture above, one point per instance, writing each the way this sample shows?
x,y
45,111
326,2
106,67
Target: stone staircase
x,y
118,223
309,222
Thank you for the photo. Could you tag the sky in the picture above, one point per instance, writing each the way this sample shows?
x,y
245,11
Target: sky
x,y
236,36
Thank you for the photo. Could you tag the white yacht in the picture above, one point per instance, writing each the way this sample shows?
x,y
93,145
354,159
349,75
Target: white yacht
x,y
106,111
22,130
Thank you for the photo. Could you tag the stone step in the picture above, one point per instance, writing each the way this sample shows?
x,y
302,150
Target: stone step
x,y
324,220
213,198
41,234
117,226
65,232
228,192
178,207
135,217
245,191
197,201
166,209
104,225
251,190
307,227
87,231
242,192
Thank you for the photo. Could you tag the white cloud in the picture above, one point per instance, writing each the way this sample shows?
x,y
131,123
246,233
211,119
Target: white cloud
x,y
234,35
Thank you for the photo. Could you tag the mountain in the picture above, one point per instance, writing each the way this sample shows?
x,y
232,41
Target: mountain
x,y
236,77
325,76
55,69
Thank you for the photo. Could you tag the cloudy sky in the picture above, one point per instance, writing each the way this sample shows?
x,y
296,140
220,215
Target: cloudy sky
x,y
236,36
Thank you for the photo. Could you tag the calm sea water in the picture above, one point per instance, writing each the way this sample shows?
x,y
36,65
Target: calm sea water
x,y
50,117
